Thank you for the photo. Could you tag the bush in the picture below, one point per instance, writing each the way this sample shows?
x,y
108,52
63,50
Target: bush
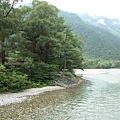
x,y
11,81
41,73
68,74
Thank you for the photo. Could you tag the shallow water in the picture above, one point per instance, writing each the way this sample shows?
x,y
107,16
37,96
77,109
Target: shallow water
x,y
95,100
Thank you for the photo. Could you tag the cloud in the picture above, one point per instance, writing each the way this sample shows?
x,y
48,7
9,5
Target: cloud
x,y
102,21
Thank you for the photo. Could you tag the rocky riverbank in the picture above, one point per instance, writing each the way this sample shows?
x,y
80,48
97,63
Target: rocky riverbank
x,y
68,82
10,98
19,104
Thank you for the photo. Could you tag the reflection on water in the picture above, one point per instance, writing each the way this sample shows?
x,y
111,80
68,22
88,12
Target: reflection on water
x,y
98,100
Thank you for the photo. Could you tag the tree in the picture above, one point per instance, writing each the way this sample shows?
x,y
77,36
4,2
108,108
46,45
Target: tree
x,y
5,29
8,26
36,44
71,55
39,38
40,31
9,4
47,40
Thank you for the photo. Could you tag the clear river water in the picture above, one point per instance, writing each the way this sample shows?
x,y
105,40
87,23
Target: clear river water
x,y
97,99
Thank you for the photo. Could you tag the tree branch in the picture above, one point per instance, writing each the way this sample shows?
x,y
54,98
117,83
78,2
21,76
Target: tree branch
x,y
10,8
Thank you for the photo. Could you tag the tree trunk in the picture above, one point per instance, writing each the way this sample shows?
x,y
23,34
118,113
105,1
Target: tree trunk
x,y
2,56
64,60
3,52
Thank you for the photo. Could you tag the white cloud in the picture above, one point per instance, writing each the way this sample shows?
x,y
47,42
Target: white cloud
x,y
102,21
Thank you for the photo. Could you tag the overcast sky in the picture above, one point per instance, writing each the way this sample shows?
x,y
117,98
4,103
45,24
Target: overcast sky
x,y
108,8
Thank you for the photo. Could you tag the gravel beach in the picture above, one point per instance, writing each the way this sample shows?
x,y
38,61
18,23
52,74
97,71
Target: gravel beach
x,y
9,98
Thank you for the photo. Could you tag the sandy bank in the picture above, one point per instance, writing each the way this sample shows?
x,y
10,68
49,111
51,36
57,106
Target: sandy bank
x,y
6,99
90,71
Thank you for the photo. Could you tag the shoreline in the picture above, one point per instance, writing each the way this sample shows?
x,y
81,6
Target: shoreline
x,y
13,98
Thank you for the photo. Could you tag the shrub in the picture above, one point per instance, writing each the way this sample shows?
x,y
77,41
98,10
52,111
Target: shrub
x,y
12,81
68,74
41,73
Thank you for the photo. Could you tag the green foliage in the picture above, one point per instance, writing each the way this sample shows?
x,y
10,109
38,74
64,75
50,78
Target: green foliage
x,y
49,41
41,73
69,74
35,46
98,43
9,25
97,63
12,81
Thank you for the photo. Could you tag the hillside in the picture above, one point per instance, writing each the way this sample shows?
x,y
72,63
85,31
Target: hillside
x,y
112,25
98,42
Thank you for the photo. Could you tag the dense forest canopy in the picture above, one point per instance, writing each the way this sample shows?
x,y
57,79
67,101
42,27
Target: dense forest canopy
x,y
35,44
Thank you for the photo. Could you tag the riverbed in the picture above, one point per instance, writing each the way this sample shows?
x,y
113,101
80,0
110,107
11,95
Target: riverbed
x,y
98,99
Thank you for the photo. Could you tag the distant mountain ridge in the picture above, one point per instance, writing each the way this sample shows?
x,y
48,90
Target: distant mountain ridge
x,y
112,25
99,42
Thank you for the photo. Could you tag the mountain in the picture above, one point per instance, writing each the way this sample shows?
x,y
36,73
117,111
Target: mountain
x,y
112,25
99,42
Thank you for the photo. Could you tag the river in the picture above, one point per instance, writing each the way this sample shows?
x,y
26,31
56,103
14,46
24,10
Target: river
x,y
98,99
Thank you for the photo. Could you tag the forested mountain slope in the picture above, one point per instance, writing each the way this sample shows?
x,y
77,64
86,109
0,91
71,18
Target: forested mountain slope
x,y
112,25
98,43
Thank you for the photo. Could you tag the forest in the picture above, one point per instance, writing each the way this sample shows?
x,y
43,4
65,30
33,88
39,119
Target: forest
x,y
98,43
35,45
100,47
